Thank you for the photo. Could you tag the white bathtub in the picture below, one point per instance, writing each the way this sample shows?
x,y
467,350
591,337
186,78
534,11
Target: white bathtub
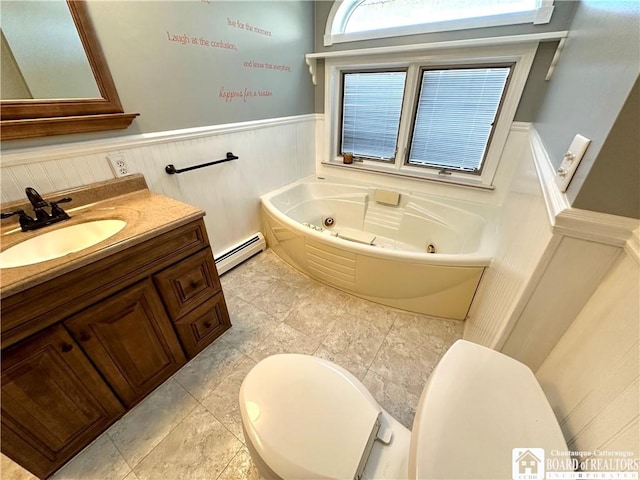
x,y
379,251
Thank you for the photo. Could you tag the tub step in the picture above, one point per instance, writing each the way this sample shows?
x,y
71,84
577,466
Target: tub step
x,y
357,236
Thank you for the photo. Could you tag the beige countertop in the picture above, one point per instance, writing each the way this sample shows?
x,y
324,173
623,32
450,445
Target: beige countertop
x,y
147,215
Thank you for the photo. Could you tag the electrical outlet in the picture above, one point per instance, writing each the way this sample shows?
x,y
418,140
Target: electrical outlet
x,y
118,162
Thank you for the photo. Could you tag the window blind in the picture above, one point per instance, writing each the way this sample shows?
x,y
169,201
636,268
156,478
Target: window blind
x,y
455,115
371,107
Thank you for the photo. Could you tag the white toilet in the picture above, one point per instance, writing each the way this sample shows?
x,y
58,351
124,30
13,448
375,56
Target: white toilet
x,y
307,418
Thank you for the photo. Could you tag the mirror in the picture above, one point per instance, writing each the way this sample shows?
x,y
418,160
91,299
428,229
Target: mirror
x,y
34,66
55,79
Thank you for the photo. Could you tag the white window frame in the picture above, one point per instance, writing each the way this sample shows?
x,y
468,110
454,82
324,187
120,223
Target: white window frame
x,y
521,55
341,10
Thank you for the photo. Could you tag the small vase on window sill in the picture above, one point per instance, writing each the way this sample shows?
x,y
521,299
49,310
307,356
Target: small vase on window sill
x,y
347,158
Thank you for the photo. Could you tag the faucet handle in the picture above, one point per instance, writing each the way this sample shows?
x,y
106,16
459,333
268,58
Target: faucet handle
x,y
56,211
11,214
25,220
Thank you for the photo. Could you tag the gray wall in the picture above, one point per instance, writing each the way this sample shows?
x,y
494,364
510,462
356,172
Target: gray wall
x,y
176,85
535,86
589,94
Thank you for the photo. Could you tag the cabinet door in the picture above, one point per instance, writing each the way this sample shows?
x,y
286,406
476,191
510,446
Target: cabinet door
x,y
53,401
130,340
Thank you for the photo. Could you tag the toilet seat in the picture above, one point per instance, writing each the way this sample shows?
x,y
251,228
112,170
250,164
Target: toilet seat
x,y
308,418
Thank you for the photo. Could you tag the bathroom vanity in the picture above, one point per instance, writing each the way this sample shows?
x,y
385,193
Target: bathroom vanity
x,y
87,336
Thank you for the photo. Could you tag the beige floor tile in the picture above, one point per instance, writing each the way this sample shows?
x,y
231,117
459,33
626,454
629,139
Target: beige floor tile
x,y
436,334
222,402
144,427
250,325
355,338
198,448
99,461
270,264
395,399
241,468
379,315
285,339
246,282
405,363
281,299
10,470
208,368
316,314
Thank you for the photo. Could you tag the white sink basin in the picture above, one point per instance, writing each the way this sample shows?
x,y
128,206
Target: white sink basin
x,y
60,242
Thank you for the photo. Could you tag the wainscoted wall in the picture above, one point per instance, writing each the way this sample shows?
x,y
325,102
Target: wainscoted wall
x,y
272,153
550,261
591,376
524,235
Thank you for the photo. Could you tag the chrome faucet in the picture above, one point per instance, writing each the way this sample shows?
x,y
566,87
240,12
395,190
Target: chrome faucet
x,y
42,218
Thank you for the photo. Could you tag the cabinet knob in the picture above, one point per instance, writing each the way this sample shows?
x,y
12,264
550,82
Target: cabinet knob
x,y
66,347
207,324
85,337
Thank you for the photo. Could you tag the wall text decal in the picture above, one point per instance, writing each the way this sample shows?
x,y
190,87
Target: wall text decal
x,y
267,66
250,28
244,95
185,39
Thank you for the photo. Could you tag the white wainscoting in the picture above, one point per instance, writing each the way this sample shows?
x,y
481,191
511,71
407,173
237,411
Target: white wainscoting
x,y
272,153
591,376
550,261
524,235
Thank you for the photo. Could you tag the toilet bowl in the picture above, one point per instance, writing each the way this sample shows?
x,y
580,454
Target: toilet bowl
x,y
307,418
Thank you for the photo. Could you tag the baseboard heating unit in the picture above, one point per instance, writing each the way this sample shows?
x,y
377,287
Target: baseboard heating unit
x,y
240,252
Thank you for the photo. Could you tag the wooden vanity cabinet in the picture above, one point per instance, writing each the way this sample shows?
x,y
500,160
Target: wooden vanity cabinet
x,y
81,349
54,402
129,339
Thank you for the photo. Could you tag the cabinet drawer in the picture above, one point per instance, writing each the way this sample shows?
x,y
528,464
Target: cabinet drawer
x,y
203,325
188,284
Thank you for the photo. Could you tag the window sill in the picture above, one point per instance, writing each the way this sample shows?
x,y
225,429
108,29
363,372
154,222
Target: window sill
x,y
426,176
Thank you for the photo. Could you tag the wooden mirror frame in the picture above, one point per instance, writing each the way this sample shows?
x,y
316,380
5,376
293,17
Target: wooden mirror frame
x,y
37,118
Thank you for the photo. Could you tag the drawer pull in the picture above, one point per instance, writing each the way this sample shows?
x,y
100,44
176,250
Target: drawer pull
x,y
207,324
85,337
66,347
193,284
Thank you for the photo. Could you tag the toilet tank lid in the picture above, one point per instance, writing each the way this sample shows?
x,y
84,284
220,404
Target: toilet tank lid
x,y
478,406
307,417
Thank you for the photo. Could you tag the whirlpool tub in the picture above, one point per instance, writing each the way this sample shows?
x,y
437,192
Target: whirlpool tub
x,y
412,251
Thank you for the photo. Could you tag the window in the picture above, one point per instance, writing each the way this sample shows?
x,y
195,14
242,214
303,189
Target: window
x,y
351,20
455,115
371,107
441,115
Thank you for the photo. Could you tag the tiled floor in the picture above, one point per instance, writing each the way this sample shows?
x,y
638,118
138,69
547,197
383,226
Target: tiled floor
x,y
189,428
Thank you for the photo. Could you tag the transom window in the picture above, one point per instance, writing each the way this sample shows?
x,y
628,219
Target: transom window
x,y
351,20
